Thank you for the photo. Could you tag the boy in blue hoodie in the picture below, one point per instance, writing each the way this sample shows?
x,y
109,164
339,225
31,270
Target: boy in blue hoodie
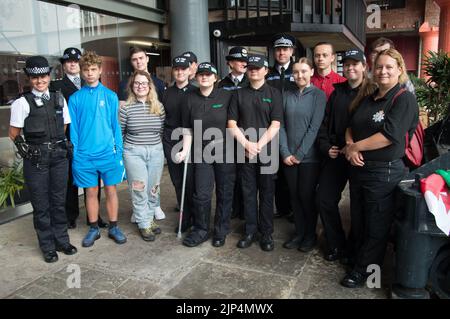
x,y
97,142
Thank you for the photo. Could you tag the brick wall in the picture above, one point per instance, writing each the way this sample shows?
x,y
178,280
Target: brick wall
x,y
401,19
432,12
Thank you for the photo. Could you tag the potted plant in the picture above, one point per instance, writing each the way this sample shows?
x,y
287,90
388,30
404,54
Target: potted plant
x,y
11,183
433,94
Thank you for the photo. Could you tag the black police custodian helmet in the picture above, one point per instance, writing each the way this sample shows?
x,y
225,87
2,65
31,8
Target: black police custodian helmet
x,y
71,54
37,65
237,53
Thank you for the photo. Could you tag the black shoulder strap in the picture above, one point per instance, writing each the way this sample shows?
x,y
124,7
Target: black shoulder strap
x,y
400,92
390,102
30,99
59,97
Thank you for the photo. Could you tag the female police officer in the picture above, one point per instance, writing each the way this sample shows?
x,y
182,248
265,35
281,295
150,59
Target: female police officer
x,y
375,147
43,116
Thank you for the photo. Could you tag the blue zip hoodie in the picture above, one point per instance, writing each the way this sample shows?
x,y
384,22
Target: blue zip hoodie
x,y
95,130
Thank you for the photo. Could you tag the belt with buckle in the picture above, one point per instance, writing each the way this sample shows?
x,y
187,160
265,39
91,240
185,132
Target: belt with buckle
x,y
53,145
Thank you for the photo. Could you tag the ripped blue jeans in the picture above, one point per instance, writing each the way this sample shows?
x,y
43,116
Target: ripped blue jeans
x,y
144,165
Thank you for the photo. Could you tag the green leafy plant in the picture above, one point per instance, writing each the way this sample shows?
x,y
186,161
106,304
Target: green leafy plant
x,y
434,93
11,182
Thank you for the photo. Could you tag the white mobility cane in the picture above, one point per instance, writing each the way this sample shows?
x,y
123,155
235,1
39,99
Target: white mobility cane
x,y
183,187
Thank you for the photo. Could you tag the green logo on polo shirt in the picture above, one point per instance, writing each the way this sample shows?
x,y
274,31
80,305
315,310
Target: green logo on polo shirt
x,y
216,106
265,99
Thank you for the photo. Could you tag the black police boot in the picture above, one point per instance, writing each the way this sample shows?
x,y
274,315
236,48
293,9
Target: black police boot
x,y
246,241
218,241
294,242
307,245
50,256
195,238
333,254
267,243
67,249
354,279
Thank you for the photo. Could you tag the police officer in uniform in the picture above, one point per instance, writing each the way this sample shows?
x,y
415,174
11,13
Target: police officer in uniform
x,y
42,115
237,61
69,84
280,76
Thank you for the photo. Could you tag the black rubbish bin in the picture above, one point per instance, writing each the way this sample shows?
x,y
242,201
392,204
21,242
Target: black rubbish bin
x,y
420,245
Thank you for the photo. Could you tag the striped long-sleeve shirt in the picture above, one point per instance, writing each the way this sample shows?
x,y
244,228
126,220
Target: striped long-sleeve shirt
x,y
139,126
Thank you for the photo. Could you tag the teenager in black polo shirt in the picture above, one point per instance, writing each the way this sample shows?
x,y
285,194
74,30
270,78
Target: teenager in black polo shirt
x,y
257,107
205,115
174,99
375,148
331,141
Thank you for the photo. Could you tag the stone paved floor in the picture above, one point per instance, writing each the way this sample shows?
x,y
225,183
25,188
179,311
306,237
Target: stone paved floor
x,y
165,268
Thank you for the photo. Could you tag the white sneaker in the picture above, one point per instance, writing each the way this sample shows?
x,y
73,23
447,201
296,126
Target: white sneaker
x,y
133,219
159,214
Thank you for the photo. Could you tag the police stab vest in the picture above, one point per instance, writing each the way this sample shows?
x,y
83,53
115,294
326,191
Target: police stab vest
x,y
45,123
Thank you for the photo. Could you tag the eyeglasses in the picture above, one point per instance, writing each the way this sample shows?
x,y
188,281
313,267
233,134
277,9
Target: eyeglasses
x,y
143,84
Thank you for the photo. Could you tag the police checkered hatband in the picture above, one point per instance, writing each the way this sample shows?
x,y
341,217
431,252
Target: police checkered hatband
x,y
38,70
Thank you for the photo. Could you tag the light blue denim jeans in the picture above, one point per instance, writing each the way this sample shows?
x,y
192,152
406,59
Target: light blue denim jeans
x,y
144,165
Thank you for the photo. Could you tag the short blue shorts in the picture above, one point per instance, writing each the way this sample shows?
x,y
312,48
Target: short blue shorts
x,y
86,172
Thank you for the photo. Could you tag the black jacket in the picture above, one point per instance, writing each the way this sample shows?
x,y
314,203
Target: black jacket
x,y
66,87
273,78
227,83
337,118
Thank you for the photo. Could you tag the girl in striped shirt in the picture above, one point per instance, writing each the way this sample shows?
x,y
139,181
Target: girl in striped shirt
x,y
142,121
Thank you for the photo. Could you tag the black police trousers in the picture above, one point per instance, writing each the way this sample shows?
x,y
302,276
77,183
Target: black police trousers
x,y
333,178
283,201
302,182
205,176
254,182
72,207
372,208
46,179
176,171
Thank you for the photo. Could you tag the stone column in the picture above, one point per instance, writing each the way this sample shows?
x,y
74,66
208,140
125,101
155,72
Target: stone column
x,y
444,25
190,28
430,41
